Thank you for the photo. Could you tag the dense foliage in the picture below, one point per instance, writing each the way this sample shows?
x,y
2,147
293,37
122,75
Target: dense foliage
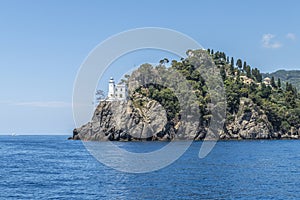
x,y
278,98
292,77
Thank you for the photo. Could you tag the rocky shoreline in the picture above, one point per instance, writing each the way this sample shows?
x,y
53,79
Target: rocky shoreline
x,y
125,121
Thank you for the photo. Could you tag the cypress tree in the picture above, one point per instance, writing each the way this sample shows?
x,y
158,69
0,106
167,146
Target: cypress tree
x,y
273,84
245,66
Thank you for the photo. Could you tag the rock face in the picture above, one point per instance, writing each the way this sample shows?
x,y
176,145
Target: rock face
x,y
125,121
131,121
250,123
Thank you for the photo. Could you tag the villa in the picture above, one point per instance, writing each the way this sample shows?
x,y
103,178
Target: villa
x,y
247,80
267,81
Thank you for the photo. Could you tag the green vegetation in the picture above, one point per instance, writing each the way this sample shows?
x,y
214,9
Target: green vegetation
x,y
163,95
278,98
284,76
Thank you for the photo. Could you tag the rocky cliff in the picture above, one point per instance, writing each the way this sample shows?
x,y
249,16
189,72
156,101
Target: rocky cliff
x,y
250,122
125,121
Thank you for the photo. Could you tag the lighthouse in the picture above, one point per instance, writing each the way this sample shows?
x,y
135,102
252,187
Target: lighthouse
x,y
116,92
111,88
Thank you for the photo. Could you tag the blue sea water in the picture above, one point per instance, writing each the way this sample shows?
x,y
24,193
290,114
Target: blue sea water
x,y
51,167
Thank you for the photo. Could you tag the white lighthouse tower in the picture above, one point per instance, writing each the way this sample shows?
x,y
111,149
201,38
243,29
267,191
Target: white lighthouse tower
x,y
116,92
111,89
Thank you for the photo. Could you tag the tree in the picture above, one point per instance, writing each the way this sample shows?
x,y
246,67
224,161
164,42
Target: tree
x,y
223,55
279,83
239,63
100,95
289,87
285,126
245,65
164,61
248,71
232,63
257,75
273,84
223,73
127,76
265,91
244,92
233,96
290,99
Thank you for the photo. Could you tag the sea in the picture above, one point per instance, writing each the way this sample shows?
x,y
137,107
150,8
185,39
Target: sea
x,y
52,167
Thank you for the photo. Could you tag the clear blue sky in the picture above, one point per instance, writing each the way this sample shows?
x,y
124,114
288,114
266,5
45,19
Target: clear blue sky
x,y
43,44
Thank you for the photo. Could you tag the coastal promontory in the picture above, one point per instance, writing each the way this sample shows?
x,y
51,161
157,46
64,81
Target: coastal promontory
x,y
257,106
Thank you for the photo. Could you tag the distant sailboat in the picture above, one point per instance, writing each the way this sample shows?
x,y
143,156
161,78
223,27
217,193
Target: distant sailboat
x,y
13,134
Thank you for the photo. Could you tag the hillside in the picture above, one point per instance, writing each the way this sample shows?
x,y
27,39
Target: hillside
x,y
162,107
292,76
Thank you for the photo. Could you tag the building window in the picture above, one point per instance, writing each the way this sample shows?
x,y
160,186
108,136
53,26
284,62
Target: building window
x,y
121,89
121,95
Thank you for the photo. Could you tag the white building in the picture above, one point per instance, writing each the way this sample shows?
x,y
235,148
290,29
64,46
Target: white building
x,y
116,92
267,81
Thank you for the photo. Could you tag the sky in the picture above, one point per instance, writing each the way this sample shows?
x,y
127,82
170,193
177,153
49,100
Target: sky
x,y
44,43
